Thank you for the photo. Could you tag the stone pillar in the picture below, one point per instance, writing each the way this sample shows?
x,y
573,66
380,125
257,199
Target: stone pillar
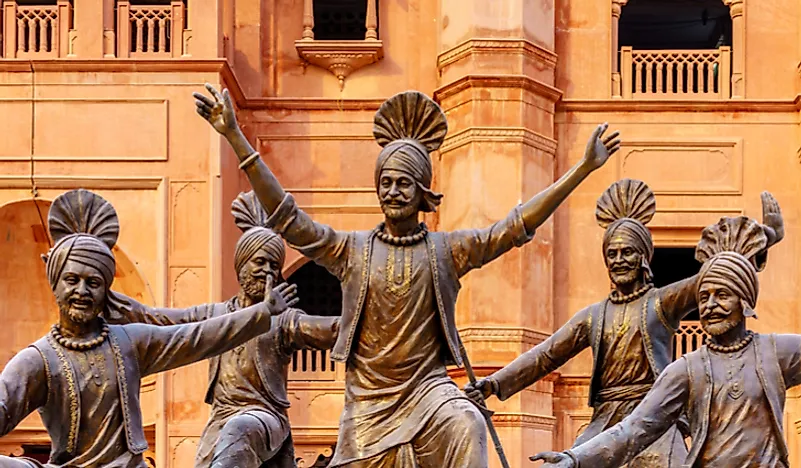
x,y
736,8
89,27
617,6
496,85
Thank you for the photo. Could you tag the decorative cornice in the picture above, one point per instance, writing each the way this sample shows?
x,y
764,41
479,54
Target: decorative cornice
x,y
735,105
547,423
498,81
503,334
519,135
495,47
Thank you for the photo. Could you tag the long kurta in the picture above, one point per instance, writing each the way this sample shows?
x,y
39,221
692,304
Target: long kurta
x,y
101,436
395,379
623,373
735,402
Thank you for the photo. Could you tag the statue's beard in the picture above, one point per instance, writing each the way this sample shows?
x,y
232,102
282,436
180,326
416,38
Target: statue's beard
x,y
726,324
624,275
79,315
398,212
253,287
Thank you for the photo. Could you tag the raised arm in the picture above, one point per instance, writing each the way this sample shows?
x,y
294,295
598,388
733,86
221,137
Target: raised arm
x,y
299,331
538,362
319,242
474,248
128,310
164,348
23,388
678,299
616,446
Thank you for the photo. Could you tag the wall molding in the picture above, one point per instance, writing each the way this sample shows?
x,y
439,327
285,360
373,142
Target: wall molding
x,y
518,135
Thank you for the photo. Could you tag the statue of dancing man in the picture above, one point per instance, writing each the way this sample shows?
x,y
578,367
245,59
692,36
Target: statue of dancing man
x,y
84,375
732,388
400,282
630,332
249,425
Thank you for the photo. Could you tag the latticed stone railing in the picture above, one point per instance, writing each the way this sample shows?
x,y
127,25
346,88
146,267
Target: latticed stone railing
x,y
36,31
152,31
313,365
689,338
675,74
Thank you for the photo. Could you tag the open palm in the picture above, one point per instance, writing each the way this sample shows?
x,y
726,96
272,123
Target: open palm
x,y
600,148
219,112
554,460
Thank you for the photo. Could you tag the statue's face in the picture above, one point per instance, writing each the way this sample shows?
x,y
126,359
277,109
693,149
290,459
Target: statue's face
x,y
623,262
399,195
80,292
253,274
720,309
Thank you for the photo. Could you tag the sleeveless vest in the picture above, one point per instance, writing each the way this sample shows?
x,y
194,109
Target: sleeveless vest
x,y
356,282
657,337
771,377
61,414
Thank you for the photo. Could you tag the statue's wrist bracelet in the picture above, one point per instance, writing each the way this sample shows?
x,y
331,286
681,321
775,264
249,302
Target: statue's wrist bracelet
x,y
572,457
494,386
249,160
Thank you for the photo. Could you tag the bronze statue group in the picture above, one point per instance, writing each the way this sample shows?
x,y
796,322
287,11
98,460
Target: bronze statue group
x,y
397,332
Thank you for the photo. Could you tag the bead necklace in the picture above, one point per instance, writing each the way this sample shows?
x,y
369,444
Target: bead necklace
x,y
749,336
616,298
77,344
419,235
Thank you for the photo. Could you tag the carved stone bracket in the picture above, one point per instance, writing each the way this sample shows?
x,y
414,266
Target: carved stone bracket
x,y
340,57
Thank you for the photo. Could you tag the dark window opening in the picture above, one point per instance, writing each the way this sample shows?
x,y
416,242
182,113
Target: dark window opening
x,y
40,453
671,264
318,290
338,20
675,24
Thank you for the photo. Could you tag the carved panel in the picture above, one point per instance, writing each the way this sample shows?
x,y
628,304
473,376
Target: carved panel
x,y
189,286
132,130
330,161
182,451
189,223
703,167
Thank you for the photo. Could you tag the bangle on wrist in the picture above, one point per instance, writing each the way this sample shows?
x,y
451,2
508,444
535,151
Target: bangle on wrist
x,y
245,163
572,457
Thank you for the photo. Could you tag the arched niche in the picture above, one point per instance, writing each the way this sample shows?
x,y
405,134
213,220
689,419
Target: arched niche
x,y
27,306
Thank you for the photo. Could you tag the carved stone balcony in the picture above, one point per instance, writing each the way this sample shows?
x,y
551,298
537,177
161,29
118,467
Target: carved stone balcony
x,y
37,31
340,57
675,74
150,31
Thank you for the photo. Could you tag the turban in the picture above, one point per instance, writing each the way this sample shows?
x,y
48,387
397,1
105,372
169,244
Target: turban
x,y
84,249
411,158
635,235
255,239
734,271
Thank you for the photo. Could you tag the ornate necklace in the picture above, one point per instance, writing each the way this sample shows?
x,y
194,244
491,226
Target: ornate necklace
x,y
77,344
420,234
749,336
616,298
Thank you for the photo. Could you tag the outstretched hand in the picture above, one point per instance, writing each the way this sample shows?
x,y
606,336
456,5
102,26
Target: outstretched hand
x,y
274,298
600,148
219,112
772,219
554,460
479,391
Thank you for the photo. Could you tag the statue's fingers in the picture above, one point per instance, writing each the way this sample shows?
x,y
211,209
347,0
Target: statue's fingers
x,y
613,149
599,131
613,143
214,92
548,457
203,98
611,136
227,98
203,113
292,301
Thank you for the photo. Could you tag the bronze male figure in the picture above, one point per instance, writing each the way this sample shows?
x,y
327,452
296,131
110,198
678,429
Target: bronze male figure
x,y
400,283
732,388
630,333
248,425
84,375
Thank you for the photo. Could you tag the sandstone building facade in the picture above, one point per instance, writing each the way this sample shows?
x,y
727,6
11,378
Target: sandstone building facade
x,y
96,94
